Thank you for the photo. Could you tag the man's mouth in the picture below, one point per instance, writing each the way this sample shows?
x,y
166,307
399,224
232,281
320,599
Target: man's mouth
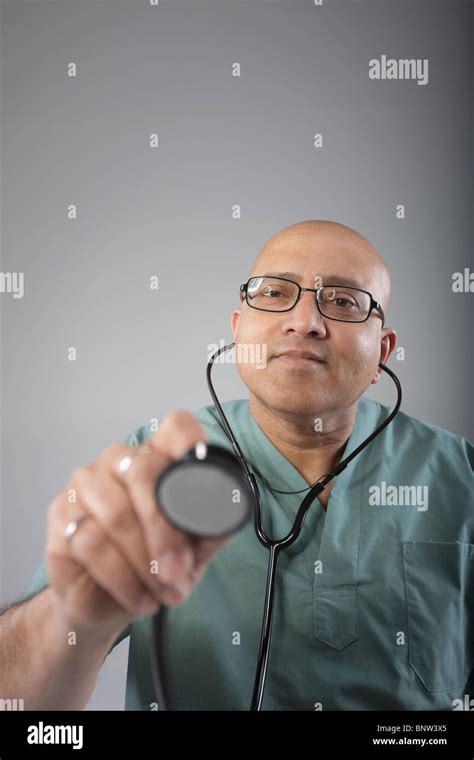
x,y
300,358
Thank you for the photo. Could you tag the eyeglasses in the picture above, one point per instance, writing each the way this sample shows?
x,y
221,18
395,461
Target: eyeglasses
x,y
339,302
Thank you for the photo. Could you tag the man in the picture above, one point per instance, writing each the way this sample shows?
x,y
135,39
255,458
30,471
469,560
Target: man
x,y
374,602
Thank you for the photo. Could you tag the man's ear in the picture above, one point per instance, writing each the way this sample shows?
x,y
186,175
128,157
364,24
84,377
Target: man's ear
x,y
234,322
388,341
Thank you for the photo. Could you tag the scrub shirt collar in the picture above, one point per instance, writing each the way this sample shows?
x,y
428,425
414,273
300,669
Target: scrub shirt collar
x,y
279,472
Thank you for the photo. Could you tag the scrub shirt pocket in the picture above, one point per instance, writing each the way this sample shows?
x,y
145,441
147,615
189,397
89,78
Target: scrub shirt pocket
x,y
335,616
439,587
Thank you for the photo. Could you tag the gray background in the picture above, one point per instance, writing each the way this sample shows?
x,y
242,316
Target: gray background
x,y
167,212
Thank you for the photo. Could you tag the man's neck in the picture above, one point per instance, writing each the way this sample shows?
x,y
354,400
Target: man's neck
x,y
313,444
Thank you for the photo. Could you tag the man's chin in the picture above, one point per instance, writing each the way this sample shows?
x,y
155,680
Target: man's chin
x,y
293,402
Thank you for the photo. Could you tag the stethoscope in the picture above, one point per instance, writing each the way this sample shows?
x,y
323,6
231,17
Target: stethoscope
x,y
190,494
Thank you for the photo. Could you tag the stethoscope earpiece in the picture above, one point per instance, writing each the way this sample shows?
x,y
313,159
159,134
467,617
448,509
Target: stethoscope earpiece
x,y
205,493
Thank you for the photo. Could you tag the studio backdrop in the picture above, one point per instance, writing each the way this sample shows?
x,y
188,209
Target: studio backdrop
x,y
150,149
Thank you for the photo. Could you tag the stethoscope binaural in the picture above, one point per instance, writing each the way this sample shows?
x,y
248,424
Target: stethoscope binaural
x,y
190,495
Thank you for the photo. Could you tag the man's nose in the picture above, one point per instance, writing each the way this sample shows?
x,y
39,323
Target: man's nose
x,y
305,317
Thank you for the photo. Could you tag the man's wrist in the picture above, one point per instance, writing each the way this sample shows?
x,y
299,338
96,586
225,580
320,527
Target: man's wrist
x,y
76,633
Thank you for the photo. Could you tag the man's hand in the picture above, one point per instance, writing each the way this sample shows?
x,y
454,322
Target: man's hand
x,y
103,575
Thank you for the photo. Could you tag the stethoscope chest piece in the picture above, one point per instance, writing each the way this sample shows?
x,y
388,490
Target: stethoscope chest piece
x,y
205,493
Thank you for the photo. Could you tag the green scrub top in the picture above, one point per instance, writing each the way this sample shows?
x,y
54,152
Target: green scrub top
x,y
374,606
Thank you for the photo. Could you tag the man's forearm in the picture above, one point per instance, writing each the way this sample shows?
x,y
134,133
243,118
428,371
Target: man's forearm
x,y
44,662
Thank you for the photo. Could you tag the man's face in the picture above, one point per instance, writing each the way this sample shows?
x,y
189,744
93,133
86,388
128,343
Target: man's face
x,y
349,352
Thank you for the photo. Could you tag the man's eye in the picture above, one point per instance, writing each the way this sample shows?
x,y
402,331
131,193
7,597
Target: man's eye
x,y
270,292
344,302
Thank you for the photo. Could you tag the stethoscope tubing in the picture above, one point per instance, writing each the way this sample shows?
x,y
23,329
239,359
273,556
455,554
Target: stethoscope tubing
x,y
163,685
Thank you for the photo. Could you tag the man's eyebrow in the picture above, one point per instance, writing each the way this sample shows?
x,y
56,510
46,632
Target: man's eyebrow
x,y
329,279
281,274
336,279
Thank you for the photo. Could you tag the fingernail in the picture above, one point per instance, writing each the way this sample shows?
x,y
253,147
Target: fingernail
x,y
166,560
174,564
181,589
144,449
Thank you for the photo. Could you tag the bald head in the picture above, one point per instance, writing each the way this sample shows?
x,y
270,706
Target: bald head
x,y
326,248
